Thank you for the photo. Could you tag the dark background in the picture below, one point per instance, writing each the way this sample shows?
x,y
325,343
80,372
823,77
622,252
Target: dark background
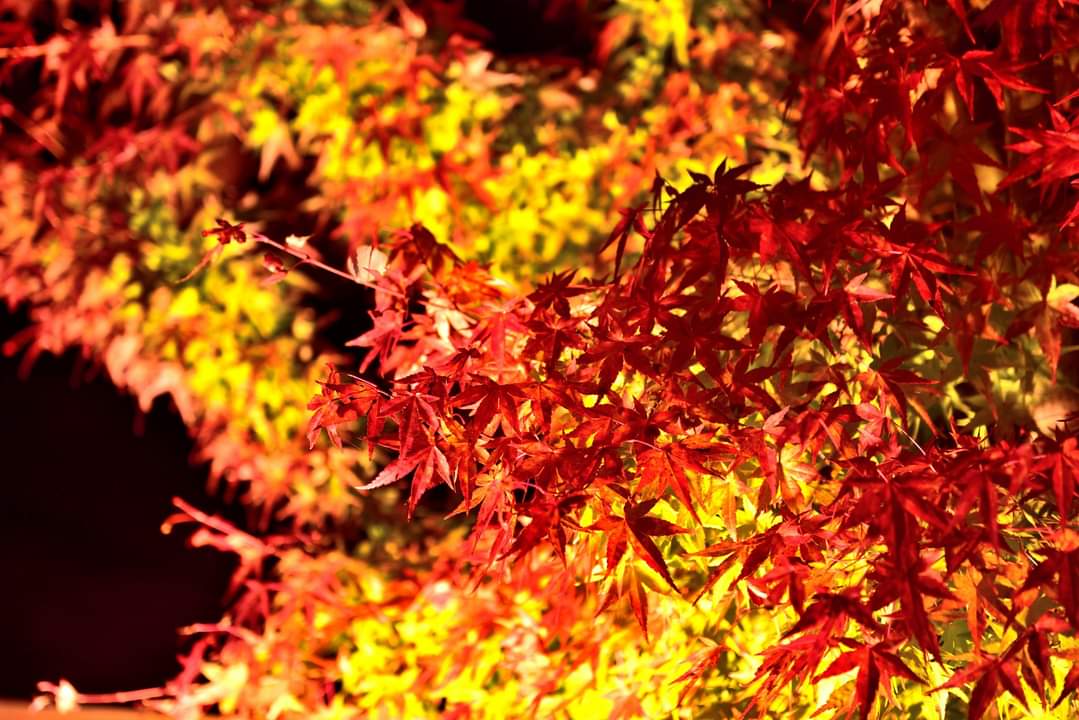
x,y
90,590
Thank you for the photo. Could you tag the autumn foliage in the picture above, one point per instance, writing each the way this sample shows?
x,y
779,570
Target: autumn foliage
x,y
792,434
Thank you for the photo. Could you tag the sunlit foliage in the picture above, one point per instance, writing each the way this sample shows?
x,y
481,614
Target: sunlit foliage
x,y
790,432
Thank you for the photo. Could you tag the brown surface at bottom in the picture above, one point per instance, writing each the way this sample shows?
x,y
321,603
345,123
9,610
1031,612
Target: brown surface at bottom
x,y
20,711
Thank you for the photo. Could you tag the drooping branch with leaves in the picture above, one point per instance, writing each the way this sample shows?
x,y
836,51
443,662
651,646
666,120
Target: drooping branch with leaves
x,y
765,409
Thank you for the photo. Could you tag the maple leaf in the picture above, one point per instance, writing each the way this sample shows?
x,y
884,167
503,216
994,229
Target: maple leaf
x,y
832,611
277,146
992,70
638,528
340,403
430,466
366,264
388,327
638,598
632,221
143,76
666,468
1065,474
546,521
494,403
1061,563
877,665
858,290
993,677
276,266
1053,154
226,232
555,292
1070,685
552,339
700,662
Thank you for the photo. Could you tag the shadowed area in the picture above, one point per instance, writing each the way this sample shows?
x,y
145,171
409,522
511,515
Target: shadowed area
x,y
94,593
19,711
539,27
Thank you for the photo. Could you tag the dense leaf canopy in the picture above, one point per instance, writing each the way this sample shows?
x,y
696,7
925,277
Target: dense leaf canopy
x,y
785,427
